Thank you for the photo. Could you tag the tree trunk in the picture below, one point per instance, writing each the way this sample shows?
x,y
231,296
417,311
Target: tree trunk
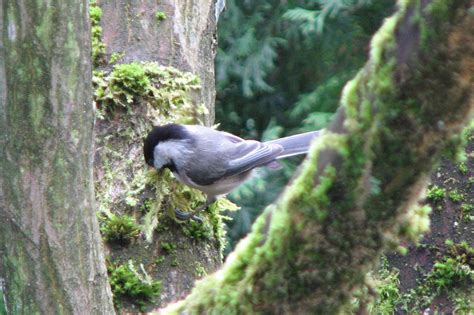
x,y
314,247
185,38
172,33
451,196
51,254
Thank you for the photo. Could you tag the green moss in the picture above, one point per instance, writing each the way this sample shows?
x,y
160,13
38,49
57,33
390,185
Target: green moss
x,y
174,262
197,230
98,47
386,283
119,228
415,223
452,274
126,281
436,194
455,269
462,167
168,247
455,196
159,260
160,16
448,272
470,181
116,57
164,89
199,270
467,211
130,79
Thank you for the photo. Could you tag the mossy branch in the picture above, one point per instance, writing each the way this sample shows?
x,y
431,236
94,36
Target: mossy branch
x,y
313,248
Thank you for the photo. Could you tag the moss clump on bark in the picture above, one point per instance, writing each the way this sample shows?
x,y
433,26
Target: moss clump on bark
x,y
119,229
98,47
452,275
436,194
127,282
160,16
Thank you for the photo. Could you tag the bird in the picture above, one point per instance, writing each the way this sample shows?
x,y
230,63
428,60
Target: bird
x,y
212,161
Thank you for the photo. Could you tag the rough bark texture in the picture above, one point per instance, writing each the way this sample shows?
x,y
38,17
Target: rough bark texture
x,y
452,219
186,41
313,248
50,249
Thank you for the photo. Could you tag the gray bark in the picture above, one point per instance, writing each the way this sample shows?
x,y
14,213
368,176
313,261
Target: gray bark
x,y
51,258
186,39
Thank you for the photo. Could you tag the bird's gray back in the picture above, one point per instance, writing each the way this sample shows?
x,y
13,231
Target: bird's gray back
x,y
218,154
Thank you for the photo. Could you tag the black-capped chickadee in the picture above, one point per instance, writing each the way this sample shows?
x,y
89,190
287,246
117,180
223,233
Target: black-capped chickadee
x,y
215,162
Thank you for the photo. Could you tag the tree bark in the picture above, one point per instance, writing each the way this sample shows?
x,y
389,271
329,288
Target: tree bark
x,y
51,254
313,248
452,219
185,39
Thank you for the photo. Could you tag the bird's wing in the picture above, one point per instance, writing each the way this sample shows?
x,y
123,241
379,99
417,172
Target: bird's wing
x,y
222,154
246,155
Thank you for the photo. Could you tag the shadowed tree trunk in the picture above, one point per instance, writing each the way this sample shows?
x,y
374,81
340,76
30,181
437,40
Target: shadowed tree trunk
x,y
451,196
313,248
51,259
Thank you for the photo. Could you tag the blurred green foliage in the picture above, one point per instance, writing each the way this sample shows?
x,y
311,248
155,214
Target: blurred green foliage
x,y
280,69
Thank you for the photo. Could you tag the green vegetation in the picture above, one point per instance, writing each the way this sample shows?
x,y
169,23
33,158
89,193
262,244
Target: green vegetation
x,y
174,262
98,47
451,275
168,247
436,194
130,79
463,168
386,282
159,260
165,89
160,16
115,57
126,281
198,230
467,211
454,269
415,223
119,228
455,196
200,271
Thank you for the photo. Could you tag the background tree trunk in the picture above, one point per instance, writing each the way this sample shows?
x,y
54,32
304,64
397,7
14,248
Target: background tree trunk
x,y
50,249
314,247
185,38
173,33
452,219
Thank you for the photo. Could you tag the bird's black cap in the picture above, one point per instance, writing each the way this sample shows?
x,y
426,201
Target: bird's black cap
x,y
159,134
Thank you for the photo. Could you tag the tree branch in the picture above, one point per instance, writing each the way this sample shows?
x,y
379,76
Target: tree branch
x,y
309,251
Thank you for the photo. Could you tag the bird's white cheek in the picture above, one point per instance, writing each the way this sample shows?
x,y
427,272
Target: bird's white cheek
x,y
158,159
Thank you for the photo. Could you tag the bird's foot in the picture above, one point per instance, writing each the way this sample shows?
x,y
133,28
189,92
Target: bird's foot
x,y
185,216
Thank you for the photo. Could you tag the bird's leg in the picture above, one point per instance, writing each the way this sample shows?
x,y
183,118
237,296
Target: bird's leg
x,y
184,216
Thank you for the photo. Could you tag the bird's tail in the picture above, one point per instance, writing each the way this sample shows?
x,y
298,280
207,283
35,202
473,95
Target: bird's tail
x,y
297,144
